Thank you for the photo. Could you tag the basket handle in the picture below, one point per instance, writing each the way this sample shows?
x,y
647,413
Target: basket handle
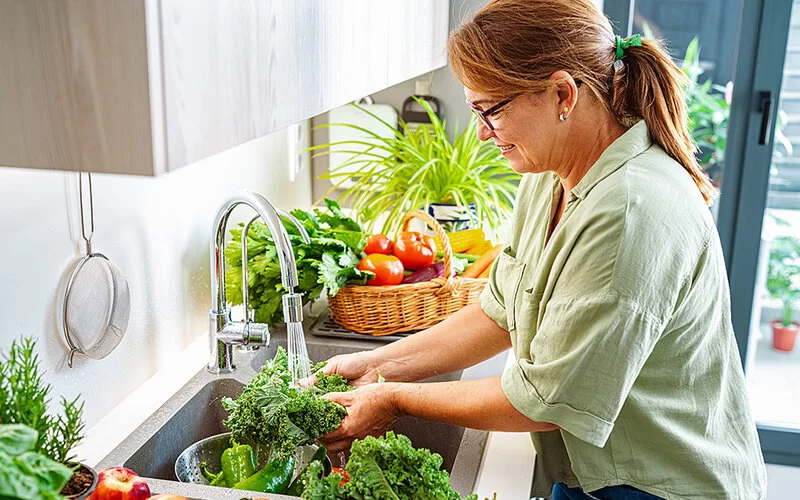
x,y
447,251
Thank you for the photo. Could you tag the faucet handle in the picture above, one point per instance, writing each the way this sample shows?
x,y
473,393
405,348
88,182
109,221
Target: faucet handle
x,y
244,333
256,334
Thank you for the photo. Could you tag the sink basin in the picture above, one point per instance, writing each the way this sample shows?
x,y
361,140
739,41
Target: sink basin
x,y
196,412
199,418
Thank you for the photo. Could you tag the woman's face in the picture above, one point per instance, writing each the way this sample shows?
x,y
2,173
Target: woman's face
x,y
526,129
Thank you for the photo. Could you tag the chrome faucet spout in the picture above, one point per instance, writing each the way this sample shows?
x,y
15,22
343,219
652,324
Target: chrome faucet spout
x,y
245,284
223,332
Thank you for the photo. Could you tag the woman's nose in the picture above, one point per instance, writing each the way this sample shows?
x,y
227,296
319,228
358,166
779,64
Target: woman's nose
x,y
484,134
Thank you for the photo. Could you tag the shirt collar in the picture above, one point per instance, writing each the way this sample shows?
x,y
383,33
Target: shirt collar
x,y
630,144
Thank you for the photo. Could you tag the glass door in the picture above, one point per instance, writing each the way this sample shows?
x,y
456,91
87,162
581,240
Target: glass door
x,y
764,258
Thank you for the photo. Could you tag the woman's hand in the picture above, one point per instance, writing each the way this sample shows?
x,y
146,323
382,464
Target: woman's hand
x,y
357,367
370,411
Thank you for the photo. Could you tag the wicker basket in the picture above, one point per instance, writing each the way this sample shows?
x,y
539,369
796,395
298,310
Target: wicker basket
x,y
385,310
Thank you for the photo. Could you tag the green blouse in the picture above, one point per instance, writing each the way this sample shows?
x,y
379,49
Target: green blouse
x,y
620,326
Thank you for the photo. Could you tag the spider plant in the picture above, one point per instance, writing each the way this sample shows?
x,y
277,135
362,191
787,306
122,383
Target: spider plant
x,y
413,168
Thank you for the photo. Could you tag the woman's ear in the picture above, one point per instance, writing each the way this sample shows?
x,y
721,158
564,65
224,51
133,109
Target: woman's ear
x,y
566,93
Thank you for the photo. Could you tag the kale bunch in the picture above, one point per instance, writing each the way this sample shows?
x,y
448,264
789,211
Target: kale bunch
x,y
329,260
271,414
387,467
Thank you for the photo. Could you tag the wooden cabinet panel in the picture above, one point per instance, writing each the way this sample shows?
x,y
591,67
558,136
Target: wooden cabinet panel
x,y
418,32
147,86
74,87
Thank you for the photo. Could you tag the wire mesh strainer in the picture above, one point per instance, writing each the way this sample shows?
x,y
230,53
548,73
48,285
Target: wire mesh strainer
x,y
97,300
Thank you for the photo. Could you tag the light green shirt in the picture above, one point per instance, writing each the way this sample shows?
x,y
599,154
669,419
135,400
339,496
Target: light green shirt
x,y
620,325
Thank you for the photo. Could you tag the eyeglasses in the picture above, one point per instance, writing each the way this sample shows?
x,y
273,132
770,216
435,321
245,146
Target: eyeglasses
x,y
483,116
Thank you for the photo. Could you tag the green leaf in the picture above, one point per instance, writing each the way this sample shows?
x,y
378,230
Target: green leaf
x,y
16,439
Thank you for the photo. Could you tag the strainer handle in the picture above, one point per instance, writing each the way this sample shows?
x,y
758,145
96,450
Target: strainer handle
x,y
87,239
72,352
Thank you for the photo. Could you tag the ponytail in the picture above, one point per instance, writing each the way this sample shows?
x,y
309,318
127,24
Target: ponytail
x,y
513,46
649,86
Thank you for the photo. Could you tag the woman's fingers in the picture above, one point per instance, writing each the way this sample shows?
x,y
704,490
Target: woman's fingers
x,y
354,367
369,413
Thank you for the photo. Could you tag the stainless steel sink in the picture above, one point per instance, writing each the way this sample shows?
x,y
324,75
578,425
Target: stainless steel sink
x,y
199,418
196,412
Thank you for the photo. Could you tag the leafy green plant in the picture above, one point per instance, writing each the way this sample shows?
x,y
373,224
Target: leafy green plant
x,y
271,414
414,168
26,474
783,274
708,113
25,398
329,260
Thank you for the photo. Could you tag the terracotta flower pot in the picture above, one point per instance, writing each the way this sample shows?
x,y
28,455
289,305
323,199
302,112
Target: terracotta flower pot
x,y
783,337
81,484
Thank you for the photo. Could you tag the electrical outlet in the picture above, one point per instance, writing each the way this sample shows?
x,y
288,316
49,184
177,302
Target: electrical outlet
x,y
299,137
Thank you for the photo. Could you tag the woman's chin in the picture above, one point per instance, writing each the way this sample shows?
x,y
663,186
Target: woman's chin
x,y
518,165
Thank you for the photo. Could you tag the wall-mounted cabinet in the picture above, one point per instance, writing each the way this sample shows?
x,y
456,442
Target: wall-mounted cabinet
x,y
147,86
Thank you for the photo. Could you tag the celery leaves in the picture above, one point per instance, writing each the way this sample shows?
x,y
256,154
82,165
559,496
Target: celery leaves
x,y
329,261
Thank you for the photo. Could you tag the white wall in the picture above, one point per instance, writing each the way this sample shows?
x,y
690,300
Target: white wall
x,y
157,230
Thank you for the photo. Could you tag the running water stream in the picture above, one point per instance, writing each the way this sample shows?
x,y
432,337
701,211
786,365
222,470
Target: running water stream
x,y
297,353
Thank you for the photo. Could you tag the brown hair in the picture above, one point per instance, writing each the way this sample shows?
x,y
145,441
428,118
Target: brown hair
x,y
512,47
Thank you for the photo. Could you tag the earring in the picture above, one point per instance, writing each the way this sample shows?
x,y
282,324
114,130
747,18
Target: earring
x,y
562,116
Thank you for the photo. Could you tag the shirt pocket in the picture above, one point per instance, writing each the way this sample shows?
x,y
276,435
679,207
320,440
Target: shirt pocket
x,y
510,272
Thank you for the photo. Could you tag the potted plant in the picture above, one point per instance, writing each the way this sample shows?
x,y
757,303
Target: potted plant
x,y
25,400
422,168
783,283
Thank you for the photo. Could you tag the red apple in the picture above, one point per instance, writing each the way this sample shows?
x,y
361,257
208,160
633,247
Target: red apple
x,y
119,483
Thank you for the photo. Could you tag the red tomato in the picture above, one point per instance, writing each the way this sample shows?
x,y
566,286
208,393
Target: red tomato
x,y
378,243
387,268
341,472
415,250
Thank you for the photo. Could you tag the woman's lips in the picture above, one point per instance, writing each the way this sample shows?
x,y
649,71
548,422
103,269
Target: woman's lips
x,y
506,149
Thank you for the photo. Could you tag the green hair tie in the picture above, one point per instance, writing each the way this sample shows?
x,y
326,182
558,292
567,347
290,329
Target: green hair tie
x,y
626,43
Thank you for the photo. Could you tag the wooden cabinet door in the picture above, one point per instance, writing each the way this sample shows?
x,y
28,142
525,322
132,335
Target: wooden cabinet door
x,y
74,89
147,86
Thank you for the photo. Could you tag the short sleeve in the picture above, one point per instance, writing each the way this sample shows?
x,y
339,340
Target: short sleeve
x,y
583,362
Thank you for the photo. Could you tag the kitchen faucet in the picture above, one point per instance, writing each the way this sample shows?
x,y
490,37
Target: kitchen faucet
x,y
225,333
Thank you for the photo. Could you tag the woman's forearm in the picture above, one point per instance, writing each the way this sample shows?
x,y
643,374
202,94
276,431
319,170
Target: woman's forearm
x,y
477,404
464,339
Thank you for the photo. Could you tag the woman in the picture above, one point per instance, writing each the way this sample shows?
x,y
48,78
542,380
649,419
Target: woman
x,y
612,292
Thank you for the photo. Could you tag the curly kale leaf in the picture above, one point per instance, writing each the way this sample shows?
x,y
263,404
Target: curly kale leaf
x,y
269,413
386,467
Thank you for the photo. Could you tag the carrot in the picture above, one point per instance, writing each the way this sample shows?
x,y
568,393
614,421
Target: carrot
x,y
485,273
477,267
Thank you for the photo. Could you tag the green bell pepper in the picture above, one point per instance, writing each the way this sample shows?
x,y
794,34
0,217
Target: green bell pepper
x,y
213,479
238,463
297,487
273,478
